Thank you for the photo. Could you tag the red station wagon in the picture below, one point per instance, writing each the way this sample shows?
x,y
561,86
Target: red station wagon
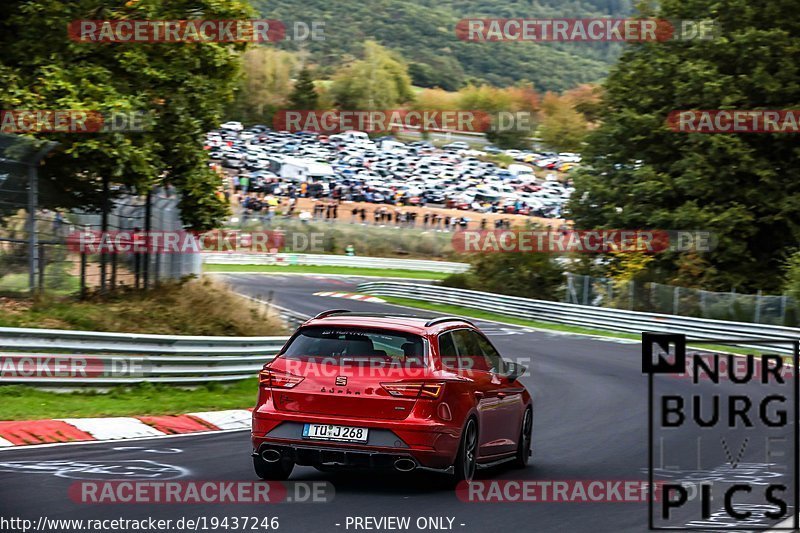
x,y
406,393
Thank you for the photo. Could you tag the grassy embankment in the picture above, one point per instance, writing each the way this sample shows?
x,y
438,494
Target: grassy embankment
x,y
191,308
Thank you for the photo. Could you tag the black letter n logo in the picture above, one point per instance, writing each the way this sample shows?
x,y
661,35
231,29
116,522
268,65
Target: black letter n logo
x,y
663,353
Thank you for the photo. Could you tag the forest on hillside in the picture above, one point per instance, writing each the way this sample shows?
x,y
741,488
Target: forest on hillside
x,y
423,33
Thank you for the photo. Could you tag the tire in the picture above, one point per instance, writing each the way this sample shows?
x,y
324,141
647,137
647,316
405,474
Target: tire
x,y
524,445
466,458
279,471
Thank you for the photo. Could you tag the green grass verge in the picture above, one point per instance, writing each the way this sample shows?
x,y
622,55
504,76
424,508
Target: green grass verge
x,y
55,283
319,269
485,315
27,403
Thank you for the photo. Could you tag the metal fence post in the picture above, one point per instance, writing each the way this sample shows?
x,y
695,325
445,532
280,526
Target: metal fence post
x,y
757,318
676,300
783,309
104,229
33,202
113,271
148,240
83,275
136,266
42,265
632,294
585,290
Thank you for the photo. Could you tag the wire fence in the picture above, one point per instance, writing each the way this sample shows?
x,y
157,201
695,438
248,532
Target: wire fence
x,y
61,267
37,245
780,310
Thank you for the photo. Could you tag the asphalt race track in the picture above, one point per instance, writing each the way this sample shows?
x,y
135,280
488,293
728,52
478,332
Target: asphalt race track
x,y
590,423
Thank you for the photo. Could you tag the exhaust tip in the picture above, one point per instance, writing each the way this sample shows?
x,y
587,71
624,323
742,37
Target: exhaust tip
x,y
404,465
271,456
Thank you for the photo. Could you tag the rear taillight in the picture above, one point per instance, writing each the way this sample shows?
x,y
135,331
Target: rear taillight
x,y
424,390
278,380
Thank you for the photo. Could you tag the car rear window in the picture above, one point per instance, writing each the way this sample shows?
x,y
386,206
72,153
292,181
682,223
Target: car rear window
x,y
356,345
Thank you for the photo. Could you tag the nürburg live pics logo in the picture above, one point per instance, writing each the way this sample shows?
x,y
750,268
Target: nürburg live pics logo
x,y
722,433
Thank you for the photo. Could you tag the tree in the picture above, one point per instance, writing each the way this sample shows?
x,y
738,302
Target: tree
x,y
304,96
563,128
511,111
792,276
586,99
379,81
181,87
266,83
743,187
530,275
422,32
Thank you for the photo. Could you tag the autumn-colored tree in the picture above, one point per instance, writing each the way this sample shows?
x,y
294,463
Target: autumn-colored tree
x,y
562,127
586,99
266,83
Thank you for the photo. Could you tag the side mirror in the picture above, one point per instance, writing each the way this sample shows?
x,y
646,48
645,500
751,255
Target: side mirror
x,y
513,370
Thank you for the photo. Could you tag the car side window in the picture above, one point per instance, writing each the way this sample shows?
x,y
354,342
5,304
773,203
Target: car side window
x,y
447,350
493,358
470,354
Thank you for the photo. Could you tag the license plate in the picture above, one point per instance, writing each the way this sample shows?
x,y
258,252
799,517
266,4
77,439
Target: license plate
x,y
340,433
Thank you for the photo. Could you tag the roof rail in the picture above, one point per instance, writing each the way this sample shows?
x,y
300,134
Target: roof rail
x,y
439,320
330,312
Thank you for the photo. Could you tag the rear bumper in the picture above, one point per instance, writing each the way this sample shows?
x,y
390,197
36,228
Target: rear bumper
x,y
430,445
339,457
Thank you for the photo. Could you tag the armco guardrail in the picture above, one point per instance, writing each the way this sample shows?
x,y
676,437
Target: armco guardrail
x,y
60,358
587,316
222,258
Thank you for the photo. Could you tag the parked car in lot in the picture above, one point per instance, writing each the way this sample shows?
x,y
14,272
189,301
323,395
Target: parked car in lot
x,y
457,145
389,172
232,126
405,393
